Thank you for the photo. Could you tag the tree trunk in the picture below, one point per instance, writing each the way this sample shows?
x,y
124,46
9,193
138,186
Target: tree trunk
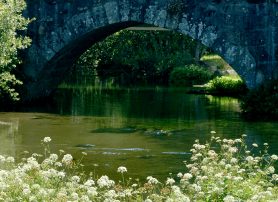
x,y
198,52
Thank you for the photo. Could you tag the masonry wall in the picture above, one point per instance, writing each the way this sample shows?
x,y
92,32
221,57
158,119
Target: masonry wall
x,y
244,32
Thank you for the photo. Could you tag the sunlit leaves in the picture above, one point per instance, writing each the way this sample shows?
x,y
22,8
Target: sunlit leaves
x,y
11,23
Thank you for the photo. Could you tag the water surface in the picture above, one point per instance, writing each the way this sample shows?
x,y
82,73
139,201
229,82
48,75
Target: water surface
x,y
150,131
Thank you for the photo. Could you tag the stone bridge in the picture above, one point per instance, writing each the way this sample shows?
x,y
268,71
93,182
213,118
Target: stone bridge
x,y
243,32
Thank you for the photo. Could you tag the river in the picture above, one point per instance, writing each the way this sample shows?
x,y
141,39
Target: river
x,y
148,130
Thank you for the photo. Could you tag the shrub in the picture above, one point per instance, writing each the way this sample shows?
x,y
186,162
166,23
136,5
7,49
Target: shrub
x,y
189,75
226,86
261,102
220,170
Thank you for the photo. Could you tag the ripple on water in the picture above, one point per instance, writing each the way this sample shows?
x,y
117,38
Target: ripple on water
x,y
177,153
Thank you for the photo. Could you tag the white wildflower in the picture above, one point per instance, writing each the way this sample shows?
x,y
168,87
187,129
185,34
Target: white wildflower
x,y
170,181
238,178
274,157
92,191
199,146
228,166
26,191
89,183
2,159
104,181
32,163
229,198
74,196
187,176
255,145
58,164
194,170
53,157
197,188
46,139
233,161
122,169
85,198
67,159
233,149
178,196
152,180
275,177
179,175
61,174
134,185
238,141
61,195
75,179
10,159
36,186
110,194
204,168
219,175
203,178
271,169
212,153
249,159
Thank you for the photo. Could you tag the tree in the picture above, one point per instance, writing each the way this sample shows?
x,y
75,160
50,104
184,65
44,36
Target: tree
x,y
11,23
139,57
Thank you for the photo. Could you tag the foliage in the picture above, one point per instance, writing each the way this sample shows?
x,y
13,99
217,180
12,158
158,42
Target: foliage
x,y
225,85
7,82
11,22
261,102
214,59
175,7
220,170
189,75
139,57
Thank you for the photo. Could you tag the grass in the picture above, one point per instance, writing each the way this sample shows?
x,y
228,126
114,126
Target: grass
x,y
216,61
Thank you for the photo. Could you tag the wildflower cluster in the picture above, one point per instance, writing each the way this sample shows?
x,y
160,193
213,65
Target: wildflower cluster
x,y
224,169
221,170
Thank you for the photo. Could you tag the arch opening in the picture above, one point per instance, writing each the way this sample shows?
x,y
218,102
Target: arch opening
x,y
145,56
69,48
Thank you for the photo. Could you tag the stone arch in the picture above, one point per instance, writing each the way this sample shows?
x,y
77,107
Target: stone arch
x,y
90,23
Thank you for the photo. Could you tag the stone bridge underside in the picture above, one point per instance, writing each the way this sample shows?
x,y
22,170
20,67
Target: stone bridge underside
x,y
243,32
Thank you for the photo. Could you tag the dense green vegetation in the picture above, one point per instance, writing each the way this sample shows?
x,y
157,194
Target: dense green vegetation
x,y
189,75
137,57
226,86
155,58
262,102
11,22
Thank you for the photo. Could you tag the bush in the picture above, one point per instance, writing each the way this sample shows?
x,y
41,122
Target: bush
x,y
226,86
189,75
261,102
220,170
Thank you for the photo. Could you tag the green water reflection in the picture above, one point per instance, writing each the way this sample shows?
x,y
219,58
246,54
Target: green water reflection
x,y
150,131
